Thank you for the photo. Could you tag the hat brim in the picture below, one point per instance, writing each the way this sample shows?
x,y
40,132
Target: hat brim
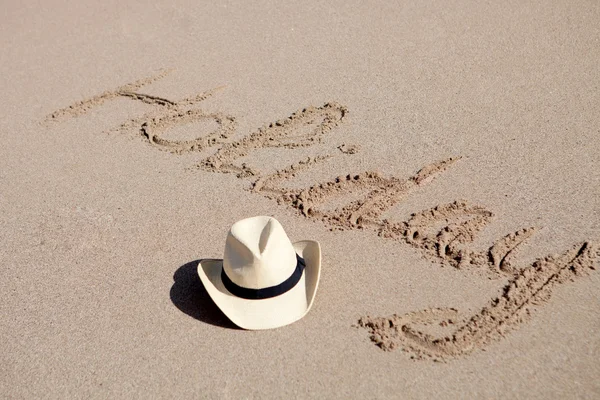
x,y
266,313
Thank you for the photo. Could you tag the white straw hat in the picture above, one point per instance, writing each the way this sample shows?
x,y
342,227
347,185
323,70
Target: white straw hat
x,y
264,281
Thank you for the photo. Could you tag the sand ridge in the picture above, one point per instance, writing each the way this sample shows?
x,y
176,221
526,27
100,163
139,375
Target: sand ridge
x,y
529,287
80,108
168,113
460,222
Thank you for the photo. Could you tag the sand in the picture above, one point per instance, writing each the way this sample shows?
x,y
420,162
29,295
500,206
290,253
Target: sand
x,y
444,154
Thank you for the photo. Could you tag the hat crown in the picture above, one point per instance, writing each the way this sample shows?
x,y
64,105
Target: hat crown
x,y
258,253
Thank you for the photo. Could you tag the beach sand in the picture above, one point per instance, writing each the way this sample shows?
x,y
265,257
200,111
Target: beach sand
x,y
445,155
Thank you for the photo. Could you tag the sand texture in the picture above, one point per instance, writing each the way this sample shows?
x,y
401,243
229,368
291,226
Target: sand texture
x,y
446,155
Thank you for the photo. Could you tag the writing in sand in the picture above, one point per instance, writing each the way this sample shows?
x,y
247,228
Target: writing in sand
x,y
442,234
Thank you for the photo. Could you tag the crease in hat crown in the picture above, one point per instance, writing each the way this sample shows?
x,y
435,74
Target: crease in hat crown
x,y
258,253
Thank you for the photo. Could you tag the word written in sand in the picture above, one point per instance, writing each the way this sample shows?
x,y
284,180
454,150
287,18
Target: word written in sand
x,y
442,234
